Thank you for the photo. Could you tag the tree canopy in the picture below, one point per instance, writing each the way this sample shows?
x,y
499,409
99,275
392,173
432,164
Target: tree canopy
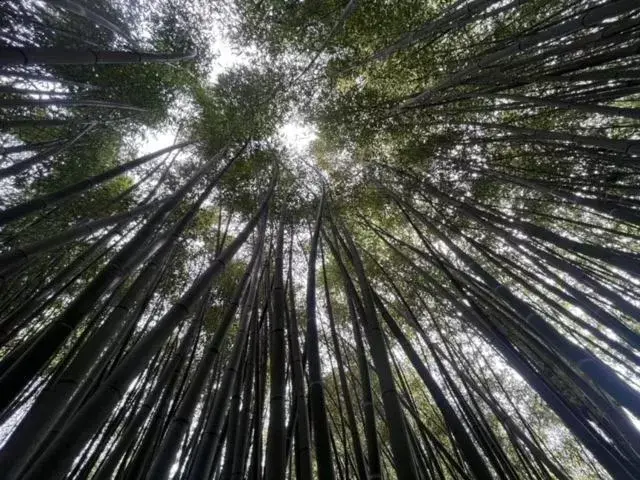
x,y
442,283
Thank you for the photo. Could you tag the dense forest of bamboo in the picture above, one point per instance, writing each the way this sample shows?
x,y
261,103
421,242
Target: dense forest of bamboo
x,y
442,283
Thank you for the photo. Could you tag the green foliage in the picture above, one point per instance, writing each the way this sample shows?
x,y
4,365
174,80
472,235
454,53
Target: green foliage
x,y
241,106
245,183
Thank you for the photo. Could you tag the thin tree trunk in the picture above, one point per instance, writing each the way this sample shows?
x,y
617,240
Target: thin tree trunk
x,y
57,56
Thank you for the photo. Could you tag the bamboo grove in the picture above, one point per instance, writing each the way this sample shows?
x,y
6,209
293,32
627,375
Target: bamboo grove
x,y
443,286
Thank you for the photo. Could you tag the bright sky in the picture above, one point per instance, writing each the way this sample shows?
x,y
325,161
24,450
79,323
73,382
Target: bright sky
x,y
297,136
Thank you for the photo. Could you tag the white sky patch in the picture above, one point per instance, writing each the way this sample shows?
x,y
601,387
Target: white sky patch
x,y
154,140
297,136
228,56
